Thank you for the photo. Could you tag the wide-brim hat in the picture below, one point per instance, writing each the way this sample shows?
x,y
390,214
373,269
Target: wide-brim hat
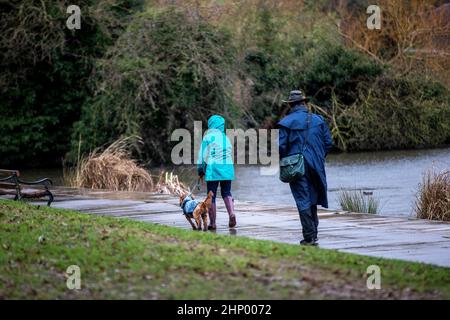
x,y
296,96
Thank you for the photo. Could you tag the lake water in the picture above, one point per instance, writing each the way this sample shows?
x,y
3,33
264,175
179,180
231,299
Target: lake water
x,y
392,176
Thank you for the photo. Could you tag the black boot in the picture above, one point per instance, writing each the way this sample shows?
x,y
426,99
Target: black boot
x,y
308,243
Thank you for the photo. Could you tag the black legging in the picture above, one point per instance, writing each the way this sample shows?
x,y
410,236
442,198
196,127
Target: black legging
x,y
225,188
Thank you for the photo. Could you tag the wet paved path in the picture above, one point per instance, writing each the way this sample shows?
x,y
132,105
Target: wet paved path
x,y
381,236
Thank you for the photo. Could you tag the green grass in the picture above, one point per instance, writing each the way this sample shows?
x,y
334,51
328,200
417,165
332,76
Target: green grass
x,y
126,259
357,201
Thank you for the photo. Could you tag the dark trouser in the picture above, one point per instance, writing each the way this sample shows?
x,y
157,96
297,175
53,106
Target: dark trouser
x,y
225,188
310,223
305,192
316,219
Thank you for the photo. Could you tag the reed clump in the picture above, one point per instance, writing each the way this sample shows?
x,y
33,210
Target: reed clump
x,y
115,169
169,183
433,196
358,201
112,169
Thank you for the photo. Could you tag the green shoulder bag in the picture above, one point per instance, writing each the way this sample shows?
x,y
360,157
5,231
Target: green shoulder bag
x,y
292,167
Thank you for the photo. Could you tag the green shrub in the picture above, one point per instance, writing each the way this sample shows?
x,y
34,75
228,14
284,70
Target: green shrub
x,y
167,70
333,69
313,61
45,70
171,68
396,113
368,107
273,65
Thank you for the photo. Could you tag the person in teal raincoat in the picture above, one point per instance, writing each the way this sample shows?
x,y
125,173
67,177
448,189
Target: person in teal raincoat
x,y
215,165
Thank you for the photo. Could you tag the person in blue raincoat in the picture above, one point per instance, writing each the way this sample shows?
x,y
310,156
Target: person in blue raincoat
x,y
215,165
311,189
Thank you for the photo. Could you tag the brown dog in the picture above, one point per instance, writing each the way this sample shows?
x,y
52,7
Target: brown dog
x,y
199,214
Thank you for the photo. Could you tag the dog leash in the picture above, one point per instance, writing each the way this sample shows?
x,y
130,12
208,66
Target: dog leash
x,y
196,185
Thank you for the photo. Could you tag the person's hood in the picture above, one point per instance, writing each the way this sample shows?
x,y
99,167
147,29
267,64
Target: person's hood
x,y
216,122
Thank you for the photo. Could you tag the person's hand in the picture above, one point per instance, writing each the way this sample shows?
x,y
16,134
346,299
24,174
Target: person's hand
x,y
201,177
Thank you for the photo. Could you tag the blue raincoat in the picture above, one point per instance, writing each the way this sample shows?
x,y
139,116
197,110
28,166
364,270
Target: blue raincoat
x,y
215,157
311,189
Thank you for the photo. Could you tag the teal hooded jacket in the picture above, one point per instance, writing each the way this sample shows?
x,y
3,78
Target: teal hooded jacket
x,y
215,157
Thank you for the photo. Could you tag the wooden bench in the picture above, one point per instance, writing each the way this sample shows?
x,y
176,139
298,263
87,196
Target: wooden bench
x,y
11,184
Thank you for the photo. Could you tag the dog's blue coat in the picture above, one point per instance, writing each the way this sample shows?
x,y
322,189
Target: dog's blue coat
x,y
188,205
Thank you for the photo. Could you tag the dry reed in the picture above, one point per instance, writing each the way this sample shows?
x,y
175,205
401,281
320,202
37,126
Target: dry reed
x,y
114,169
111,169
169,183
433,197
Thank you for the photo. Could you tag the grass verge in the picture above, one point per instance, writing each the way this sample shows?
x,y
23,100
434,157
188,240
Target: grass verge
x,y
123,259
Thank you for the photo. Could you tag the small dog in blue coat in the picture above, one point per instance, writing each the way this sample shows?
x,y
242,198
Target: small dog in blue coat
x,y
193,209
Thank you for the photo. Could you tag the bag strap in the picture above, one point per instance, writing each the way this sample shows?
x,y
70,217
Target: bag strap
x,y
308,121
